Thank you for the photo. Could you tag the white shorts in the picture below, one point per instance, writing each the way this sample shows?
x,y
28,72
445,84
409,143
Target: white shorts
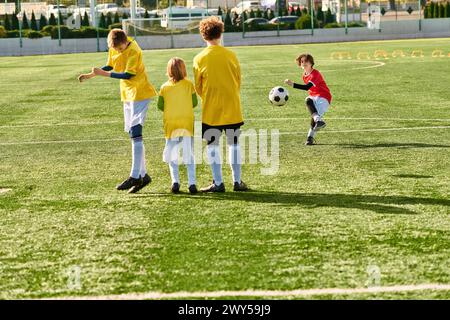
x,y
320,103
134,113
171,150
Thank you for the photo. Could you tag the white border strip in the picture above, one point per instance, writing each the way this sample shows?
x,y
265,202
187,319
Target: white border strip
x,y
264,293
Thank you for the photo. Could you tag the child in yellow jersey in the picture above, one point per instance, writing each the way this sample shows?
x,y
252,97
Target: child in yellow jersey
x,y
177,98
125,63
218,81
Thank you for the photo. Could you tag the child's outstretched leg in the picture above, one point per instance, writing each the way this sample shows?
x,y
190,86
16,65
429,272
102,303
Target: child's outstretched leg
x,y
311,134
316,121
310,105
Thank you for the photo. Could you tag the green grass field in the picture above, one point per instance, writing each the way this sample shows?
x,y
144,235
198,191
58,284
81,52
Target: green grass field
x,y
374,191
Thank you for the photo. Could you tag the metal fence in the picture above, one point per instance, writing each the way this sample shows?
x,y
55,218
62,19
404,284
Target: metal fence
x,y
38,27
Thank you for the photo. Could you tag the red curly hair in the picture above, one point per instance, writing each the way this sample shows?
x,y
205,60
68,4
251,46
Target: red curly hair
x,y
211,28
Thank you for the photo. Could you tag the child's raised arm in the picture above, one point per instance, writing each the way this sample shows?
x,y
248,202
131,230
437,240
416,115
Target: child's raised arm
x,y
299,86
86,76
93,73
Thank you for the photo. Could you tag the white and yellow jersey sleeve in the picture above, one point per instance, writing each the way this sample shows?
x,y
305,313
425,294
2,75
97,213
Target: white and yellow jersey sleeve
x,y
130,60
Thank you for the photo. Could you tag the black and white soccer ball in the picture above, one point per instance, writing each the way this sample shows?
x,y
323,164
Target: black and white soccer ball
x,y
278,96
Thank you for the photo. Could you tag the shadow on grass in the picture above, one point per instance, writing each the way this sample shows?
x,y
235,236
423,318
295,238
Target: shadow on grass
x,y
412,176
378,204
391,145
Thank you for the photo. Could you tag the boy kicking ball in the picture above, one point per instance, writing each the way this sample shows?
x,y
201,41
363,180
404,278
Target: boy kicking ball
x,y
319,98
125,63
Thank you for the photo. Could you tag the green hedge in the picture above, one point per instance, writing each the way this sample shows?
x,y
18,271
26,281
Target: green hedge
x,y
52,31
268,27
356,24
117,25
85,32
12,33
35,35
304,22
3,32
47,30
64,31
437,10
332,25
352,24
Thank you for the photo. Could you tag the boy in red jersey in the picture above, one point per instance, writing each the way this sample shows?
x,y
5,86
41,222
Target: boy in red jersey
x,y
319,98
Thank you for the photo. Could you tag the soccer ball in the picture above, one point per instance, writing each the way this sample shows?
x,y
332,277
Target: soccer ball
x,y
278,96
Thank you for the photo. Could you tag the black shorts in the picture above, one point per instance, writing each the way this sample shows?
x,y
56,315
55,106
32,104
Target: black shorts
x,y
212,133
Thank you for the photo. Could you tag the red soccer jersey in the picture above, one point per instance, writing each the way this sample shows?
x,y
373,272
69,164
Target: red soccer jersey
x,y
319,87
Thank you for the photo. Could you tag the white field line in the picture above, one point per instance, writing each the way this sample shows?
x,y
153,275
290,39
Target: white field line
x,y
347,119
265,293
373,130
323,68
378,64
65,141
4,190
60,124
243,135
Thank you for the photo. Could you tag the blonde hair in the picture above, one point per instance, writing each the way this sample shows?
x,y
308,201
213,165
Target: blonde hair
x,y
116,37
176,69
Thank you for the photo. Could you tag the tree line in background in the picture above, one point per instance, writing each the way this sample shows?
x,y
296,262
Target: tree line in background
x,y
437,10
322,19
33,28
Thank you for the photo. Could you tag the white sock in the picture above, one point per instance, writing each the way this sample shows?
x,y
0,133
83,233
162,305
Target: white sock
x,y
191,173
234,153
137,148
311,133
143,171
215,162
188,158
316,117
173,166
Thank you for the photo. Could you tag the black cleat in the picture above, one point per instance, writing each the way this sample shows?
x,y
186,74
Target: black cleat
x,y
319,125
129,183
310,141
214,188
145,181
240,186
175,188
193,189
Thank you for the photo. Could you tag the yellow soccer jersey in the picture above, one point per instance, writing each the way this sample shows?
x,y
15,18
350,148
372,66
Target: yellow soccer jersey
x,y
218,81
137,87
178,106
